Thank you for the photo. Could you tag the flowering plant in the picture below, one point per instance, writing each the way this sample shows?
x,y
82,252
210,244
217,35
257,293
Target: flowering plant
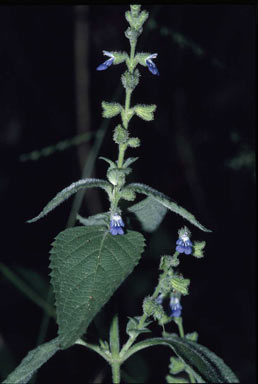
x,y
89,262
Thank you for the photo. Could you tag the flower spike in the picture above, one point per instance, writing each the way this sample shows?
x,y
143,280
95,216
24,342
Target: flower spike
x,y
116,224
107,63
151,66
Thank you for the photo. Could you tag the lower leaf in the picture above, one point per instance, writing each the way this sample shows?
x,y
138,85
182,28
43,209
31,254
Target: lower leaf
x,y
32,362
88,265
205,365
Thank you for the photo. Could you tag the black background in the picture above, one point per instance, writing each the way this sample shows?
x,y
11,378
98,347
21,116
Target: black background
x,y
204,122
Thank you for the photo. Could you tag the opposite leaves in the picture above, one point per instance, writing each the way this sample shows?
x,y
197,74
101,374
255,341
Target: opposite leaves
x,y
88,264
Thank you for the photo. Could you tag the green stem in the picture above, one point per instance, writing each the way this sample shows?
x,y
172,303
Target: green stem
x,y
116,374
143,318
179,322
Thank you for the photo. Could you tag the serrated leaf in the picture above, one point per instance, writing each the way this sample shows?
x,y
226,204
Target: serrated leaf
x,y
69,191
167,202
88,264
98,219
32,362
149,212
205,365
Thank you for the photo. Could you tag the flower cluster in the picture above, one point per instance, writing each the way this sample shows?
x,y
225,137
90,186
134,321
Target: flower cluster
x,y
151,66
184,244
175,306
116,224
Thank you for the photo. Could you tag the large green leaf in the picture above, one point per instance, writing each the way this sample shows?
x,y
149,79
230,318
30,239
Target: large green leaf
x,y
32,362
68,191
88,264
204,364
166,202
149,212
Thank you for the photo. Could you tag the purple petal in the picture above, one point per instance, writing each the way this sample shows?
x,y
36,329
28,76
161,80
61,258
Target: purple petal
x,y
121,223
113,231
176,313
152,67
120,231
179,242
105,65
188,243
188,250
180,249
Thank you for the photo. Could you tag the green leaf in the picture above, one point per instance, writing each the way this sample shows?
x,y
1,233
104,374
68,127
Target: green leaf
x,y
129,161
110,162
198,249
133,327
149,212
177,380
98,219
69,191
32,362
180,284
167,202
110,109
145,111
88,264
201,362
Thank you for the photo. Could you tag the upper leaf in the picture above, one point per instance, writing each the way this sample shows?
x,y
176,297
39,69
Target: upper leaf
x,y
88,264
32,362
167,202
98,219
68,191
149,212
203,364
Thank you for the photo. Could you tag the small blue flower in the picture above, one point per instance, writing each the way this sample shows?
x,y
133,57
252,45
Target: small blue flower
x,y
184,244
175,306
106,63
151,66
116,224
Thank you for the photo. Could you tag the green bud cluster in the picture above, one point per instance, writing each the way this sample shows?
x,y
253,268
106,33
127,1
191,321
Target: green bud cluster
x,y
120,135
130,80
111,109
145,111
116,176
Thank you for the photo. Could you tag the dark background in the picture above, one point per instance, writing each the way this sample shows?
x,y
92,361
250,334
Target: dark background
x,y
199,150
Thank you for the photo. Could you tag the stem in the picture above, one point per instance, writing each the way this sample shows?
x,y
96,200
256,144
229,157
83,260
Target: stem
x,y
179,322
115,365
143,318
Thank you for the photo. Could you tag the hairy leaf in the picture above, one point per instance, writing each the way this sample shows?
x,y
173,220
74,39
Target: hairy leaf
x,y
32,362
98,219
166,202
149,212
88,264
129,161
69,191
201,362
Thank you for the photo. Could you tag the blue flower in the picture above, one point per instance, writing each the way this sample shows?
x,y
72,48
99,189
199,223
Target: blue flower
x,y
106,63
116,224
184,244
151,66
175,306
